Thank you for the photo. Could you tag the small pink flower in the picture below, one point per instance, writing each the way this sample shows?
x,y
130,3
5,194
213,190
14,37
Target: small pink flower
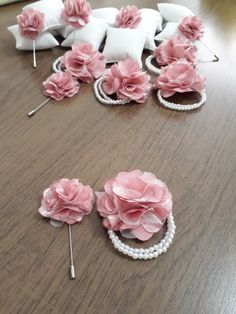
x,y
128,17
60,85
174,49
67,200
76,12
127,81
83,62
179,77
192,27
31,23
135,201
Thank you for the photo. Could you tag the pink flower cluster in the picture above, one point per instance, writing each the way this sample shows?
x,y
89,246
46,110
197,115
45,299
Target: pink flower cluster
x,y
179,76
128,17
83,62
76,12
174,49
192,27
127,81
135,201
67,200
60,85
31,23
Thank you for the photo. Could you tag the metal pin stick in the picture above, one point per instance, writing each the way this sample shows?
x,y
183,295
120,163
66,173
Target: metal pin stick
x,y
34,56
31,113
216,58
72,268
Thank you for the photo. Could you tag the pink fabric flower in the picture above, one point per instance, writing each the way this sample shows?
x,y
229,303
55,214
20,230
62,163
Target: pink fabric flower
x,y
192,27
83,62
179,77
60,85
128,17
67,200
127,81
136,201
76,12
174,49
31,23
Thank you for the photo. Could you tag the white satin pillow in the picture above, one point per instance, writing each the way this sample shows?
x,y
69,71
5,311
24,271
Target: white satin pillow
x,y
173,12
169,31
124,43
52,11
92,33
107,14
44,40
151,22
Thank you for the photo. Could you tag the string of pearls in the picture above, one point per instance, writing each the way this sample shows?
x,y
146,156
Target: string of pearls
x,y
150,66
148,253
102,96
180,107
56,66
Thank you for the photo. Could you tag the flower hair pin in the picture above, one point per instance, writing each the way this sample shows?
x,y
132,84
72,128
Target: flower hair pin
x,y
31,24
180,77
123,82
67,201
192,28
128,17
57,87
169,51
82,61
137,205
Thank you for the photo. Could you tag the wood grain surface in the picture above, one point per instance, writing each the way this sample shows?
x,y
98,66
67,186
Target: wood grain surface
x,y
194,153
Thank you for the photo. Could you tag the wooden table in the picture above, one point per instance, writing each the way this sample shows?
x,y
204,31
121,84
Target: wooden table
x,y
194,153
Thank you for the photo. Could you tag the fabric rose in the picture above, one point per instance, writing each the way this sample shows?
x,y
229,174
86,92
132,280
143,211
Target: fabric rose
x,y
127,81
128,17
83,62
67,200
174,49
76,12
135,201
60,85
192,27
31,23
179,77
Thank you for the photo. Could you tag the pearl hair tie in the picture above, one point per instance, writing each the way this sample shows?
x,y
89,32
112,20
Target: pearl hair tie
x,y
148,253
56,66
181,107
150,66
102,96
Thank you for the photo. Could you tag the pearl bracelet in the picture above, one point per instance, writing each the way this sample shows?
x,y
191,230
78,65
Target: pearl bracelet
x,y
148,253
102,96
56,66
150,66
181,107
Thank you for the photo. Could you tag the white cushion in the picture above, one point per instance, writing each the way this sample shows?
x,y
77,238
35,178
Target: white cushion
x,y
92,33
124,43
52,10
107,14
151,22
170,30
173,12
43,41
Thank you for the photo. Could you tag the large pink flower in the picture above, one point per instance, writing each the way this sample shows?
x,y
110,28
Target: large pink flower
x,y
192,27
67,200
76,12
60,85
127,81
174,49
83,62
135,201
179,77
128,17
31,23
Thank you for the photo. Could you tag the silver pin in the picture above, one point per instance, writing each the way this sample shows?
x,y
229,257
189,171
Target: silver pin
x,y
216,58
31,113
34,55
72,268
